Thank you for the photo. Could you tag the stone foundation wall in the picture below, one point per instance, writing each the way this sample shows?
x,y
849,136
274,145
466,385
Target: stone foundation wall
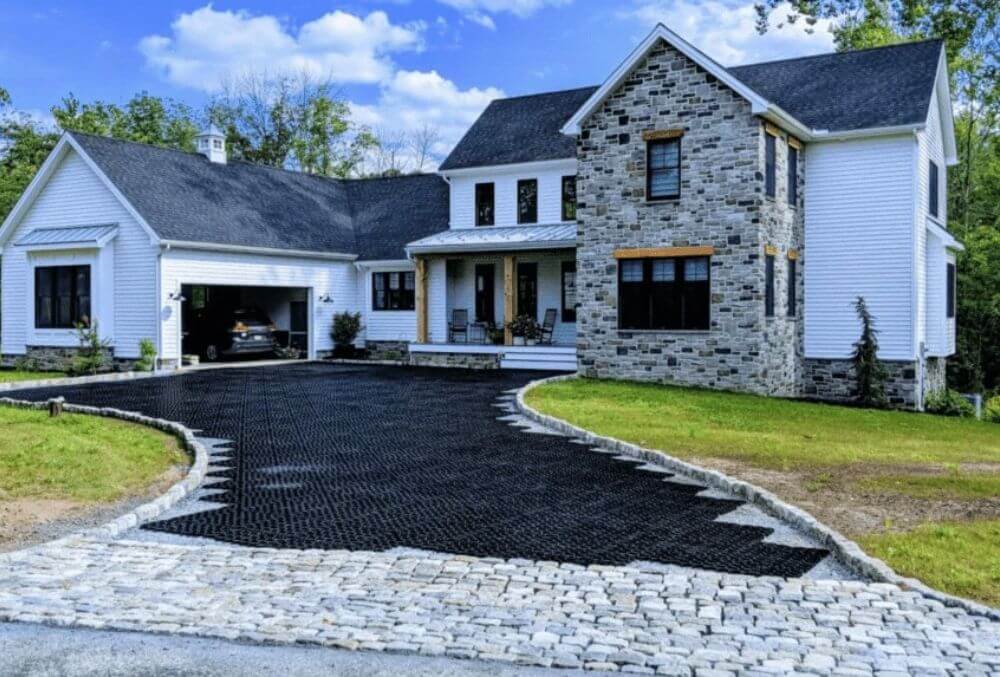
x,y
51,358
834,380
388,350
459,360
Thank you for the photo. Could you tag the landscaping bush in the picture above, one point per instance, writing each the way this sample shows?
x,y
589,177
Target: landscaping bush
x,y
92,356
346,327
991,410
147,356
869,372
947,402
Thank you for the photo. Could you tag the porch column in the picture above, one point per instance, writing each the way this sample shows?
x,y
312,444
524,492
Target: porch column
x,y
420,298
509,297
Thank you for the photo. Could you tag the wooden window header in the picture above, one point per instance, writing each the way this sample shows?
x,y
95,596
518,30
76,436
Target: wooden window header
x,y
794,143
660,134
793,254
770,250
771,129
663,252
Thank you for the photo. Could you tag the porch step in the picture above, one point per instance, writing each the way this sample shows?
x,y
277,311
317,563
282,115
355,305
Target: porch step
x,y
550,359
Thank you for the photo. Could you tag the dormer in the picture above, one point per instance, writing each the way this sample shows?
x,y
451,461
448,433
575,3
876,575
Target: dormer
x,y
212,144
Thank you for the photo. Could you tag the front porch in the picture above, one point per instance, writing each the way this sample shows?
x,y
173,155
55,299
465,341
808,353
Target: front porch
x,y
492,356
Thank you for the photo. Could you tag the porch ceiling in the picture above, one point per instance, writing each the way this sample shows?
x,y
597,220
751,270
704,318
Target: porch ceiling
x,y
496,239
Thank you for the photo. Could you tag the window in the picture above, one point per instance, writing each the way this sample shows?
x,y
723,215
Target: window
x,y
769,164
792,299
217,144
569,291
951,290
668,293
394,291
663,169
62,296
769,285
569,198
527,201
484,204
793,175
932,189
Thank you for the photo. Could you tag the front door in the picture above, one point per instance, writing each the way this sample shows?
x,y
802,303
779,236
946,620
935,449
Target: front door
x,y
527,289
484,293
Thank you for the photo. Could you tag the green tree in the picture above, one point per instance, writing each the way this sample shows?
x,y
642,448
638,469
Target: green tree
x,y
24,145
144,119
869,372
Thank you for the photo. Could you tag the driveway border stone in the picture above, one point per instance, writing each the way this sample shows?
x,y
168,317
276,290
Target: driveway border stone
x,y
147,511
843,548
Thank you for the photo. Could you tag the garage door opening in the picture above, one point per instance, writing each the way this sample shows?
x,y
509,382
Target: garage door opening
x,y
221,322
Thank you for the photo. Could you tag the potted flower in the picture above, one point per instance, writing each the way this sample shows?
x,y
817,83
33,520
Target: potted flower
x,y
495,334
522,328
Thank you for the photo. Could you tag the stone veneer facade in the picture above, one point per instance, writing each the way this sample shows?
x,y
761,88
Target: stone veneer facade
x,y
723,205
52,358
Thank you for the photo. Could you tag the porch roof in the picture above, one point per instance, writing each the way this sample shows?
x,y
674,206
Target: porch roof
x,y
76,236
497,238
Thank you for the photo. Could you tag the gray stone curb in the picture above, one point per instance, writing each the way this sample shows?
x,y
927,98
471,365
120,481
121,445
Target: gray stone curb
x,y
844,549
83,380
147,511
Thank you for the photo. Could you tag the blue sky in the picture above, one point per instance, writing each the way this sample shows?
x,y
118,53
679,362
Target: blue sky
x,y
402,64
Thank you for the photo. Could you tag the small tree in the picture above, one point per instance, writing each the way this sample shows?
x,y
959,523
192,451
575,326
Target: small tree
x,y
91,356
869,372
147,356
346,327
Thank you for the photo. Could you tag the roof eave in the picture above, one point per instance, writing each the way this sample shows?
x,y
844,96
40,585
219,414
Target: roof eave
x,y
509,167
262,251
943,90
845,134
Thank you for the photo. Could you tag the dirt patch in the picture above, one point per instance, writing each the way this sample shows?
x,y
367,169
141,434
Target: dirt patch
x,y
29,521
835,497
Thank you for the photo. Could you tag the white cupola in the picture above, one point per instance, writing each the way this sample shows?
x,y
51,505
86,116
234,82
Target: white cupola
x,y
212,144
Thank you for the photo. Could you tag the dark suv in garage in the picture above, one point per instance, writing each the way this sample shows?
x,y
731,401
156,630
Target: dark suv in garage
x,y
242,331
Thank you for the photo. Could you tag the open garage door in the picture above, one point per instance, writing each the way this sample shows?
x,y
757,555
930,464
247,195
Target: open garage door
x,y
229,322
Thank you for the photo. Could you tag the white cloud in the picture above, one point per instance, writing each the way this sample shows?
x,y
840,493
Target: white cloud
x,y
726,31
481,11
207,47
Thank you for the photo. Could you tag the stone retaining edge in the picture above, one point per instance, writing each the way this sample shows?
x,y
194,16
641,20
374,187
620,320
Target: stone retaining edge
x,y
147,511
109,377
844,549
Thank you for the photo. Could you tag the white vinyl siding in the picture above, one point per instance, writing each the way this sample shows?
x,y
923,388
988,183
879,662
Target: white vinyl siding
x,y
384,325
859,235
463,194
76,196
940,337
320,277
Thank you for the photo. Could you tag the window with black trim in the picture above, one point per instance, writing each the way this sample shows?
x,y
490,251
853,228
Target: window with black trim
x,y
769,285
952,282
670,293
527,201
792,296
793,175
394,290
569,198
62,296
569,291
663,169
932,189
770,178
484,204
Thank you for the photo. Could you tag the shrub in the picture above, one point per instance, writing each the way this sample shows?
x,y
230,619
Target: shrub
x,y
346,327
91,356
947,402
991,410
869,372
147,356
26,364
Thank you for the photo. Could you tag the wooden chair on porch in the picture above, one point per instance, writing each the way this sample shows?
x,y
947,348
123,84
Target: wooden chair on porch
x,y
548,326
459,325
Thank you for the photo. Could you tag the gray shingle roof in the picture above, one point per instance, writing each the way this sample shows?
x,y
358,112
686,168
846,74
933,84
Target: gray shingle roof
x,y
880,87
520,129
183,196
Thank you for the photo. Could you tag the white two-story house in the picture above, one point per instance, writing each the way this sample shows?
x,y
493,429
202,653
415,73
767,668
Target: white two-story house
x,y
681,222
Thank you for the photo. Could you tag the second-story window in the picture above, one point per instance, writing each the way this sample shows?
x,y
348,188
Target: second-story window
x,y
793,175
770,166
932,189
569,198
484,204
663,169
527,201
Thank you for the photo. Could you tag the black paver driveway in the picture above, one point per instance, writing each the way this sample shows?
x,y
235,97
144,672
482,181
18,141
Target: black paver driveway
x,y
371,458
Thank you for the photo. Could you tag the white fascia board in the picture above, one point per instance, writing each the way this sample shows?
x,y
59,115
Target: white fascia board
x,y
492,247
945,113
33,190
946,238
568,164
261,251
383,264
896,130
758,104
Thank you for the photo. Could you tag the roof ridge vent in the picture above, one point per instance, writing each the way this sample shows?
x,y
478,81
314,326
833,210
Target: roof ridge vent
x,y
212,144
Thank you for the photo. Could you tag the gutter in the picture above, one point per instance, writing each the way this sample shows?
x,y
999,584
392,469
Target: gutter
x,y
263,251
492,247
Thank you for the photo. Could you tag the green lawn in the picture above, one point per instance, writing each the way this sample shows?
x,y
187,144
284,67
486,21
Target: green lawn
x,y
960,558
86,459
12,375
764,431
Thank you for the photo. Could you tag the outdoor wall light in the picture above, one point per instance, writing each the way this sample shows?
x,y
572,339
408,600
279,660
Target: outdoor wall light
x,y
176,296
325,298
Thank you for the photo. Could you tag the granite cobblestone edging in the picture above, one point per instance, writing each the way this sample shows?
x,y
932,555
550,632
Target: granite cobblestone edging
x,y
147,511
844,549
